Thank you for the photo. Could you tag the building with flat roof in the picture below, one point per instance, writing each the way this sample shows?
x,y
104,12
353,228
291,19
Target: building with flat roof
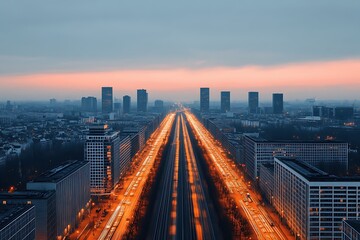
x,y
204,99
102,150
126,104
225,101
107,99
89,104
142,100
45,210
320,154
71,183
253,101
351,229
17,222
312,202
278,103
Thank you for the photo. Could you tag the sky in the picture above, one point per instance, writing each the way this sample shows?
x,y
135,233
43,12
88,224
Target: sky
x,y
69,49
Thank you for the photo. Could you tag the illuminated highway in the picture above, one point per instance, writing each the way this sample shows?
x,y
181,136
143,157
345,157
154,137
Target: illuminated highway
x,y
117,224
181,210
259,219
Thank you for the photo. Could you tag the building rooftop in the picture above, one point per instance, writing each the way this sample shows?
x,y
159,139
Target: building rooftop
x,y
312,173
59,173
269,166
263,140
9,213
27,195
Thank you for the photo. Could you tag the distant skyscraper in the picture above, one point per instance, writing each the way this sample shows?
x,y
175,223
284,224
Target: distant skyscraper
x,y
204,99
126,104
278,103
225,101
102,150
159,105
253,99
89,104
142,100
107,99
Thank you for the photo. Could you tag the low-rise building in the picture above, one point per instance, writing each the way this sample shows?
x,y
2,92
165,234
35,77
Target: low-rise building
x,y
45,210
71,183
17,222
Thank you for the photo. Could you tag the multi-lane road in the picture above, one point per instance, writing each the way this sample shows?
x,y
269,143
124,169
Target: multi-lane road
x,y
182,210
118,222
259,219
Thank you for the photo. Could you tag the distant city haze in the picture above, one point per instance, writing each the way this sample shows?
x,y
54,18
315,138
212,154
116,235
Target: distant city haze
x,y
323,80
67,49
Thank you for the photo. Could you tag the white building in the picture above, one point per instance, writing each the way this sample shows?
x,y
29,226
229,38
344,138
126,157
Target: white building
x,y
312,202
317,153
102,150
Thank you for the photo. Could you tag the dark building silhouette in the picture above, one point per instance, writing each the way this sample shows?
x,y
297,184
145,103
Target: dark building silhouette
x,y
159,105
89,104
322,111
278,103
253,99
117,107
126,104
225,101
204,99
344,113
107,99
142,100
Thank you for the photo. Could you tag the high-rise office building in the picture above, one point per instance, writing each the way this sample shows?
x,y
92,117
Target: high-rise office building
x,y
89,104
69,181
278,103
17,222
317,153
204,99
142,100
312,202
107,99
253,99
126,104
102,150
225,101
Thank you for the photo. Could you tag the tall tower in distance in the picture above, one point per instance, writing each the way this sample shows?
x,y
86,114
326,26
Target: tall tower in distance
x,y
107,99
278,103
204,99
126,104
142,100
253,99
225,101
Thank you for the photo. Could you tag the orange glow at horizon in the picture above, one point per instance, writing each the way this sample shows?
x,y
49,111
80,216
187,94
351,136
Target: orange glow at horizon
x,y
301,75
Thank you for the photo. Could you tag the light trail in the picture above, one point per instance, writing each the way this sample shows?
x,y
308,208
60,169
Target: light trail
x,y
116,225
254,211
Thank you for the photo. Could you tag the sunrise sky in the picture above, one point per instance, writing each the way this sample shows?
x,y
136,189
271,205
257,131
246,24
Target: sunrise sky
x,y
69,49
